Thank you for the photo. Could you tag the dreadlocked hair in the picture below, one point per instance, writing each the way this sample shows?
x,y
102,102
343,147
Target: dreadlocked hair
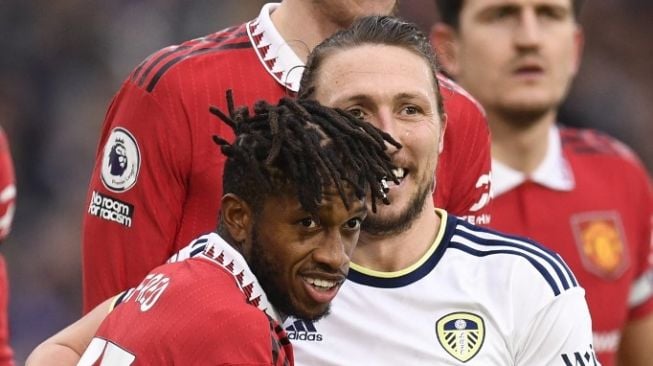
x,y
305,147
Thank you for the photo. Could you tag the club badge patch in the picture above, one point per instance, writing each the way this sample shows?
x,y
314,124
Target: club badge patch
x,y
461,334
121,161
601,243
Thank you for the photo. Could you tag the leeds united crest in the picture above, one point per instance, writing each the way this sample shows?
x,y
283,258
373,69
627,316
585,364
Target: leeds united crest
x,y
461,334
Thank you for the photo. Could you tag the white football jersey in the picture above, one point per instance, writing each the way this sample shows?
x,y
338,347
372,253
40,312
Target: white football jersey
x,y
476,298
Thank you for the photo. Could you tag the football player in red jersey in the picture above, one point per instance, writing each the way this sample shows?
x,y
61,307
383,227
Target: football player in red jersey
x,y
7,208
295,183
580,192
407,245
156,181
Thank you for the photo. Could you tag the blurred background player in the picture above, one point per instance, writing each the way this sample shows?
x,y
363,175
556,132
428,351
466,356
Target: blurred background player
x,y
7,208
578,191
295,183
416,268
156,179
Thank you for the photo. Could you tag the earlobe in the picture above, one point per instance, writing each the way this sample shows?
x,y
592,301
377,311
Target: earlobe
x,y
236,216
443,40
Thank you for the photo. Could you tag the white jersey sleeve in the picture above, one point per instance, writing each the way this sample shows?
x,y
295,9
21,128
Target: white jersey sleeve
x,y
559,334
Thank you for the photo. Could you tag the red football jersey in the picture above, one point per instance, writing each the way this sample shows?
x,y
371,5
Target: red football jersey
x,y
591,201
158,174
192,312
7,208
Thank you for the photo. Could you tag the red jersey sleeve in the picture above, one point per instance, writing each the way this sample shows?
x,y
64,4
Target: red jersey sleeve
x,y
463,173
7,187
188,313
136,192
641,295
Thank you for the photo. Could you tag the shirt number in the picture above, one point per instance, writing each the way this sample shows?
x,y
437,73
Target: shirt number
x,y
110,353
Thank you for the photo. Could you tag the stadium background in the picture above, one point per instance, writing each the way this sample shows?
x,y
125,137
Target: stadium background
x,y
63,60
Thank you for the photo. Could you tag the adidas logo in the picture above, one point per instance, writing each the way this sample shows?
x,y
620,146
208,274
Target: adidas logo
x,y
303,330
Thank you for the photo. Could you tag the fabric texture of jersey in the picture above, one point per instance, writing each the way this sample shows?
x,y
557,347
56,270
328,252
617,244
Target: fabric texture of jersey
x,y
156,183
208,310
7,209
476,297
591,201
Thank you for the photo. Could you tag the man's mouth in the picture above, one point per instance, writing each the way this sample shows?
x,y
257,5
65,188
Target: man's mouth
x,y
322,290
529,70
400,173
321,284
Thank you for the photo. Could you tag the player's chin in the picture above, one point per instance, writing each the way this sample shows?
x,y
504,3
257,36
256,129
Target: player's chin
x,y
311,307
311,312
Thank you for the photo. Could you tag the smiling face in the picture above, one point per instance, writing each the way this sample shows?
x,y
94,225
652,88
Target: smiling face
x,y
300,260
393,89
517,57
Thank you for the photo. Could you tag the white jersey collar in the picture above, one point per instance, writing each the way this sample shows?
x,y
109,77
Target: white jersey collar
x,y
273,51
220,252
554,172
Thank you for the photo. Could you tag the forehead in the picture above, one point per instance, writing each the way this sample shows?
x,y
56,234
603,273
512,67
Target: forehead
x,y
286,202
373,70
480,4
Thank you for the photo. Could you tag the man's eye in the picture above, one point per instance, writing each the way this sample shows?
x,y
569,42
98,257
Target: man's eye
x,y
358,113
308,223
353,224
411,110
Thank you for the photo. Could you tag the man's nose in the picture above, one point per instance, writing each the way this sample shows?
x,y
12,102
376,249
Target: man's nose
x,y
385,121
332,251
528,32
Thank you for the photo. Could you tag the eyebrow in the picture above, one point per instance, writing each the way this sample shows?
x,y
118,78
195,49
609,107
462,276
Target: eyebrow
x,y
366,97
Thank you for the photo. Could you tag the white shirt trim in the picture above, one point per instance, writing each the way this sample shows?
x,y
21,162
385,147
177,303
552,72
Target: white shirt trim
x,y
273,51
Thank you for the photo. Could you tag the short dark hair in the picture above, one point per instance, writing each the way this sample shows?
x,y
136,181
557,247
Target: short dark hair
x,y
371,30
301,147
450,10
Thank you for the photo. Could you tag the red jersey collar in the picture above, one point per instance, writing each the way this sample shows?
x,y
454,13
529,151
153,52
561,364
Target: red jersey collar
x,y
273,51
220,252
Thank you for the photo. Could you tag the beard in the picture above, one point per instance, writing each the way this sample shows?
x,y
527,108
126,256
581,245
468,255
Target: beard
x,y
268,272
379,226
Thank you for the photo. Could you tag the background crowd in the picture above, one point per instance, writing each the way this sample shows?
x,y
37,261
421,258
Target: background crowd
x,y
62,61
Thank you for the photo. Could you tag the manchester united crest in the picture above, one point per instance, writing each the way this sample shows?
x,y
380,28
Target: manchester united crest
x,y
461,334
601,243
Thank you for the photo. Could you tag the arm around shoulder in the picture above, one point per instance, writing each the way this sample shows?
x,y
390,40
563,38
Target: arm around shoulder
x,y
67,346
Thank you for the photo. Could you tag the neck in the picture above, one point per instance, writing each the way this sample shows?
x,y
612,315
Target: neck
x,y
302,26
391,253
521,146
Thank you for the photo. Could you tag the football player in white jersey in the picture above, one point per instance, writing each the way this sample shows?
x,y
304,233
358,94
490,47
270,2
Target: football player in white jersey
x,y
426,287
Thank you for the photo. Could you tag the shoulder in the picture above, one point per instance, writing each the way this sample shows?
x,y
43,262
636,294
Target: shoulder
x,y
504,258
213,48
457,100
591,143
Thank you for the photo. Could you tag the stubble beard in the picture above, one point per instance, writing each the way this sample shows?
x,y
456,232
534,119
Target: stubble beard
x,y
379,226
268,273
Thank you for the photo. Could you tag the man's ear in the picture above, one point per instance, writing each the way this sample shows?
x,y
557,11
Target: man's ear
x,y
444,42
443,131
236,217
579,45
